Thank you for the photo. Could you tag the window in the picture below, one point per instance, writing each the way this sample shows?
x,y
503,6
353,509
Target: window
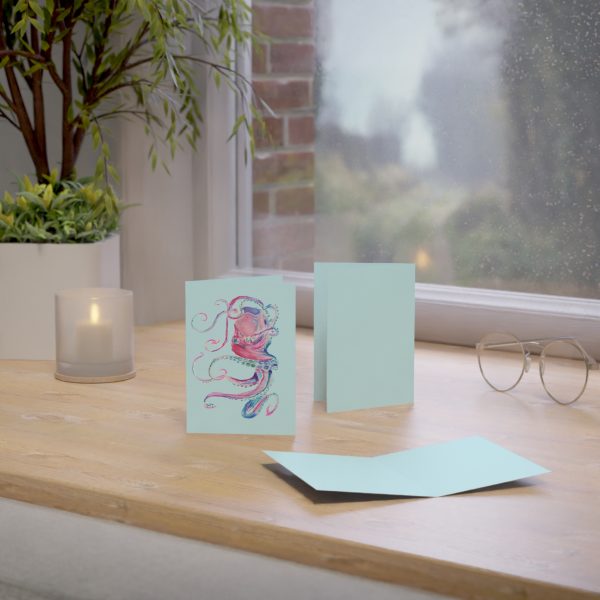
x,y
463,136
459,135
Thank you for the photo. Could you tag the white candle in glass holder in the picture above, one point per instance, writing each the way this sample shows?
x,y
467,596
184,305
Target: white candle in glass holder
x,y
94,340
94,335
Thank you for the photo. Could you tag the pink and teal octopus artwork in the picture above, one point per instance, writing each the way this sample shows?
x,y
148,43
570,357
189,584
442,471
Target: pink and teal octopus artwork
x,y
249,325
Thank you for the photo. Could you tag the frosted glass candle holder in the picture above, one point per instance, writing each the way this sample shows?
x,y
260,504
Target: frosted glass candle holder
x,y
94,335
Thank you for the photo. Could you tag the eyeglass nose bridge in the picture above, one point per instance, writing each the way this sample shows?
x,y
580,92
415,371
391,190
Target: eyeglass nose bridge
x,y
527,362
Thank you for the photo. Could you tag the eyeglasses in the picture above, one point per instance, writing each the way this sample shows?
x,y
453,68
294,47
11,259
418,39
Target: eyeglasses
x,y
564,365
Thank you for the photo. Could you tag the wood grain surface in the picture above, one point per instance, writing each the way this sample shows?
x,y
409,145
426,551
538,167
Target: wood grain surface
x,y
119,451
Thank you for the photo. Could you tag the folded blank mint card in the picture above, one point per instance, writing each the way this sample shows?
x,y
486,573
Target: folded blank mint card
x,y
429,471
364,320
240,356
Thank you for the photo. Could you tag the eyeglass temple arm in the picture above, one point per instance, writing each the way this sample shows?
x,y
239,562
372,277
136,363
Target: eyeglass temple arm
x,y
591,361
497,344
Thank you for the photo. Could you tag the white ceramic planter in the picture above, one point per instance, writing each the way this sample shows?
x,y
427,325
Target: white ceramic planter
x,y
29,276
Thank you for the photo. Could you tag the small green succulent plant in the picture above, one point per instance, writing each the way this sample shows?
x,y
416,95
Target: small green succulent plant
x,y
59,211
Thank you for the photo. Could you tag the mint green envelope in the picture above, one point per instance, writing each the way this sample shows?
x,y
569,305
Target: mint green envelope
x,y
364,334
436,470
240,356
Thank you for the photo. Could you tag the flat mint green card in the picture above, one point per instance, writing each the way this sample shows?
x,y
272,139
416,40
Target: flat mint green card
x,y
240,356
364,334
429,471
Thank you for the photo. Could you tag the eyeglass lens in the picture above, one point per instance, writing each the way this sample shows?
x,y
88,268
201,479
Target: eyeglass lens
x,y
501,360
563,371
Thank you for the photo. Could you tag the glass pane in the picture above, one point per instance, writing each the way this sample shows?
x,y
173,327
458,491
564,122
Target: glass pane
x,y
464,136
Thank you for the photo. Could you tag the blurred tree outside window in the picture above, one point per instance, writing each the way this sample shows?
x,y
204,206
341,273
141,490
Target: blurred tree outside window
x,y
464,136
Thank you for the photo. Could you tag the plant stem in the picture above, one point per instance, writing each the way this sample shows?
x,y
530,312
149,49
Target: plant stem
x,y
38,105
68,150
20,110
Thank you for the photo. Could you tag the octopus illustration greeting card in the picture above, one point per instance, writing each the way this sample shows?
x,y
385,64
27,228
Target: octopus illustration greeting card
x,y
364,334
240,354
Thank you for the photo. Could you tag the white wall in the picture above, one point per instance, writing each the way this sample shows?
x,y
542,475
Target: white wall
x,y
14,159
157,233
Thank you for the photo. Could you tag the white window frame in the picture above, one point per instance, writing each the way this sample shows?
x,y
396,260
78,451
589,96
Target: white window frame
x,y
446,314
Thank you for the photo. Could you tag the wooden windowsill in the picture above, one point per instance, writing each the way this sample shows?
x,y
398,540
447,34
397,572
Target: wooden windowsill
x,y
119,451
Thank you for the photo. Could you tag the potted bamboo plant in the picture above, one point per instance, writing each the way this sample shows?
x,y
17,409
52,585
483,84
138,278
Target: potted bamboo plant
x,y
103,59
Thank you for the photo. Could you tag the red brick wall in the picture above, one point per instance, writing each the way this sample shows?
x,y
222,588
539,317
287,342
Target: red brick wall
x,y
283,167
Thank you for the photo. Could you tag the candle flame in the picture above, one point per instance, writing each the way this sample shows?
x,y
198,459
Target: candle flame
x,y
423,259
94,313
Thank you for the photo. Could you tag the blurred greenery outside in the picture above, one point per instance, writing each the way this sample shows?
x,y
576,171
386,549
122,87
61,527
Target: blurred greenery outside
x,y
454,236
533,224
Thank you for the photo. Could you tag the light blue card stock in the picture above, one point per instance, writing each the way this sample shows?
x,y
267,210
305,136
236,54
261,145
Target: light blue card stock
x,y
240,356
364,334
430,471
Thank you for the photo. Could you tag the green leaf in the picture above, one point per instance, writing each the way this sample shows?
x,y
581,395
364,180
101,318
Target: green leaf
x,y
33,198
36,67
238,122
36,8
37,233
